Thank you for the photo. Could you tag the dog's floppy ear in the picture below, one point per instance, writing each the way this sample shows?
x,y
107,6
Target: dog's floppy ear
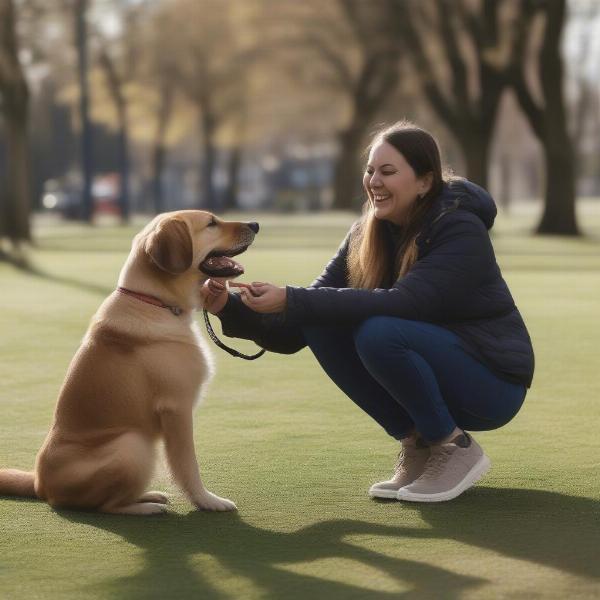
x,y
169,246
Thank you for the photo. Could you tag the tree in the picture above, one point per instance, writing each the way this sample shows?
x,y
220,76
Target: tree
x,y
373,82
466,44
233,154
547,115
584,106
117,59
209,71
486,47
159,149
156,79
345,47
81,44
14,103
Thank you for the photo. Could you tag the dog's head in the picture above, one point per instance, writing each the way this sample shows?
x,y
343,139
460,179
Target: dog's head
x,y
194,239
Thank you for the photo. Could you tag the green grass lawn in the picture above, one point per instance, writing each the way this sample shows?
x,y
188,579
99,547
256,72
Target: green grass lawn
x,y
277,437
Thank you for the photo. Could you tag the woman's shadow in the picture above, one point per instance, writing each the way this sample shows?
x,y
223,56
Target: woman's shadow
x,y
547,528
170,544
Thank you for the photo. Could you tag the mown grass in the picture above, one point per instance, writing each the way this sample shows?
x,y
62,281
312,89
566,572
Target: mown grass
x,y
276,436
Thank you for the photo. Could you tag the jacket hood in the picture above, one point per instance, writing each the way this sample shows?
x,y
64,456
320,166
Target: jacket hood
x,y
462,194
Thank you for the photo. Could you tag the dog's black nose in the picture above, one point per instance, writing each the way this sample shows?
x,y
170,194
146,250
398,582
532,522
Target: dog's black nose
x,y
254,226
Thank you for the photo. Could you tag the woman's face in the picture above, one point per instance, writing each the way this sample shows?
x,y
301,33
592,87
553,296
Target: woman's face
x,y
391,183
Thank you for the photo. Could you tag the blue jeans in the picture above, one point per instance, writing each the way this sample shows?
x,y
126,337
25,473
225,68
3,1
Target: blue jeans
x,y
410,375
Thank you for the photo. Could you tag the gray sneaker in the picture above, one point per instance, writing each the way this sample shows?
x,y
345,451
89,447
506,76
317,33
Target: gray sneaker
x,y
452,468
410,465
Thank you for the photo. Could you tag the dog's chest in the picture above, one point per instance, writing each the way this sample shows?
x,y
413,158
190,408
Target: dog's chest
x,y
204,360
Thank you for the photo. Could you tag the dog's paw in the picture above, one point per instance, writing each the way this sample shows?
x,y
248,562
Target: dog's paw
x,y
152,508
154,496
210,501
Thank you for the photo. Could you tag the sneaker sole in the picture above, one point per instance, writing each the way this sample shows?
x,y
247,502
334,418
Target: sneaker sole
x,y
480,468
379,493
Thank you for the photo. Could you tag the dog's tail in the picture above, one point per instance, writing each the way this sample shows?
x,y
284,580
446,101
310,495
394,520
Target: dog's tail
x,y
17,483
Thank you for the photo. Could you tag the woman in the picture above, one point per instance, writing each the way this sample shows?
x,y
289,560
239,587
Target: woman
x,y
411,318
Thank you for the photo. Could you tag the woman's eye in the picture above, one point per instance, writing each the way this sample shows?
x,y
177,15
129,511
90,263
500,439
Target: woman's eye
x,y
387,172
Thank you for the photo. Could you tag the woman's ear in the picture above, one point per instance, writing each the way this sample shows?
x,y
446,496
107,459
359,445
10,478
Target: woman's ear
x,y
425,183
169,246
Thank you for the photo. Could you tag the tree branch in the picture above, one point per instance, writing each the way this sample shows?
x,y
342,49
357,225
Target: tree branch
x,y
516,69
456,61
402,18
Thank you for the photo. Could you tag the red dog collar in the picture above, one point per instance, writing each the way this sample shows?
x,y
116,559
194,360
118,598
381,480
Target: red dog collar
x,y
176,310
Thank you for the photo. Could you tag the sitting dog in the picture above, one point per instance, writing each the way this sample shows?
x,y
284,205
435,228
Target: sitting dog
x,y
137,377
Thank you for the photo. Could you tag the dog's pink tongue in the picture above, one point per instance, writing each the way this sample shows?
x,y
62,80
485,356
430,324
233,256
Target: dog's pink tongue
x,y
222,265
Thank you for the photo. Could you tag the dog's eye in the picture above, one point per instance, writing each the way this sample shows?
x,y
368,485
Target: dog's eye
x,y
213,223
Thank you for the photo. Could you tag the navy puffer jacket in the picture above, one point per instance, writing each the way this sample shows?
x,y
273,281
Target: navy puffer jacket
x,y
455,283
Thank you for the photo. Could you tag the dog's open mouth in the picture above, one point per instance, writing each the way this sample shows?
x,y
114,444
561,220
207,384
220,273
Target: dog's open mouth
x,y
220,264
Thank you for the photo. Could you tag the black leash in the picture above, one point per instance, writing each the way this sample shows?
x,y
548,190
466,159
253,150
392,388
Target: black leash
x,y
218,342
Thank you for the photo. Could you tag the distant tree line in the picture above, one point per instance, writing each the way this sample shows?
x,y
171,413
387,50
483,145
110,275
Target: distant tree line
x,y
232,75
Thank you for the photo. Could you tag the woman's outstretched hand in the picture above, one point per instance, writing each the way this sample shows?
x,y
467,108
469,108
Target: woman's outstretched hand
x,y
262,297
213,295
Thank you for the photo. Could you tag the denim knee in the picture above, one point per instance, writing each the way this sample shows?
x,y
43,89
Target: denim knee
x,y
375,337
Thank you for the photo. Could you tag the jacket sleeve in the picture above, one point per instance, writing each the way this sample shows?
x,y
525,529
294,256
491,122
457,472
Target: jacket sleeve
x,y
273,331
269,331
459,259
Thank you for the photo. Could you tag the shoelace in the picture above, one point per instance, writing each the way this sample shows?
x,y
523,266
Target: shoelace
x,y
436,463
399,462
404,455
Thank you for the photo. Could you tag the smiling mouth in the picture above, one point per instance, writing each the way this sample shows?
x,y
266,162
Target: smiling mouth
x,y
381,197
219,263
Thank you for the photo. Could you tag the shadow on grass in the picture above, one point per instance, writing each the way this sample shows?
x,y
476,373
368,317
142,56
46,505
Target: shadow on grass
x,y
33,271
259,555
550,529
546,528
554,530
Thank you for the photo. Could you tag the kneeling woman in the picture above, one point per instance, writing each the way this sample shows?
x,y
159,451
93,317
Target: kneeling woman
x,y
411,318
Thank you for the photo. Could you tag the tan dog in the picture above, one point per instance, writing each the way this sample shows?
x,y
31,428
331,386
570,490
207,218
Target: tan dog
x,y
137,377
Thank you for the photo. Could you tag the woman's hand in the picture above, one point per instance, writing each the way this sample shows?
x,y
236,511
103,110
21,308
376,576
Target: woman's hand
x,y
213,295
262,297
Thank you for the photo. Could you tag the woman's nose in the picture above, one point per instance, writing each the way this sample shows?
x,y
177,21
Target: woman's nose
x,y
374,181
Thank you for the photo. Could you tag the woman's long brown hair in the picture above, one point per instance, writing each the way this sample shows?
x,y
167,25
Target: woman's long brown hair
x,y
368,256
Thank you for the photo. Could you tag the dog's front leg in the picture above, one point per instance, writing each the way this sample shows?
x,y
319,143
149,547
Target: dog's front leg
x,y
178,432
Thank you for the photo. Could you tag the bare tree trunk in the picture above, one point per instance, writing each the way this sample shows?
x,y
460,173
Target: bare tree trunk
x,y
476,153
346,182
115,85
230,201
87,208
124,168
378,77
18,205
159,150
14,95
559,206
549,123
559,212
208,200
505,193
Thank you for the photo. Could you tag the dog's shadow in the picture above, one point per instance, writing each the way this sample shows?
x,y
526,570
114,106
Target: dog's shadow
x,y
260,555
546,528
